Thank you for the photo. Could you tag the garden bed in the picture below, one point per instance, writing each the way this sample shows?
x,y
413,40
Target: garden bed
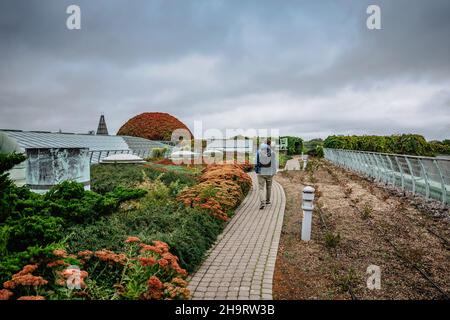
x,y
357,224
136,235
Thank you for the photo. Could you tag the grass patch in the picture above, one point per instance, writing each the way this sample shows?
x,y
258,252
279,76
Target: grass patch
x,y
332,240
367,211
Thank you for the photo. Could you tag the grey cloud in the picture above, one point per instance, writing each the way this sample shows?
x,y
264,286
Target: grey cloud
x,y
218,60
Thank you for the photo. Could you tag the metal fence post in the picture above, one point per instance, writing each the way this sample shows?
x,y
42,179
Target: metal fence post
x,y
412,175
401,172
425,176
392,170
441,175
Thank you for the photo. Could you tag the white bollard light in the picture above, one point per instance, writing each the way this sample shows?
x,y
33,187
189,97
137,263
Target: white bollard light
x,y
307,206
305,162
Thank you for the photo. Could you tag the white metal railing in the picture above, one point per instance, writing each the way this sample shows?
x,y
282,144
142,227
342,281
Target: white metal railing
x,y
426,176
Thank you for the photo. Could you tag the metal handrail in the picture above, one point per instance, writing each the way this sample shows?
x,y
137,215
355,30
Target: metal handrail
x,y
394,154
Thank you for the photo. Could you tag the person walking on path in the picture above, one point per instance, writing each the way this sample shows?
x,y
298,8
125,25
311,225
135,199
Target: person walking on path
x,y
266,167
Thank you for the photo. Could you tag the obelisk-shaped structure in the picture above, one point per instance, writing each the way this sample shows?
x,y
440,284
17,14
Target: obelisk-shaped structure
x,y
102,129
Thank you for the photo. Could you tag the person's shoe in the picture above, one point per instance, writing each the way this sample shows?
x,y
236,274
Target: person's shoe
x,y
268,202
262,206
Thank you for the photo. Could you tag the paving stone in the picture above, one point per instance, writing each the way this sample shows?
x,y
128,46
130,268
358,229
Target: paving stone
x,y
242,262
267,291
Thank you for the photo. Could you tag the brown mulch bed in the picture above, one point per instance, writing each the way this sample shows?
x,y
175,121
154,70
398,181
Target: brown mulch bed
x,y
371,226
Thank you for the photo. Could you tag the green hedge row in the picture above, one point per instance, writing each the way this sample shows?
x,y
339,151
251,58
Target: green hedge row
x,y
295,145
411,144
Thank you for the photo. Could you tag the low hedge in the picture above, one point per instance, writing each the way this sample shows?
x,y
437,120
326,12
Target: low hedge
x,y
106,177
411,144
294,145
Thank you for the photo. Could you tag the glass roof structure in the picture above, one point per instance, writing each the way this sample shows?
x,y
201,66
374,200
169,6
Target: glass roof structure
x,y
136,143
16,140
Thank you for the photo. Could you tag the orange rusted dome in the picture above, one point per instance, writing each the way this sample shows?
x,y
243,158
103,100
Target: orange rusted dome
x,y
153,126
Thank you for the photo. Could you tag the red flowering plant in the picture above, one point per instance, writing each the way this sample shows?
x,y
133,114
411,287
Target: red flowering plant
x,y
127,275
151,272
143,271
23,283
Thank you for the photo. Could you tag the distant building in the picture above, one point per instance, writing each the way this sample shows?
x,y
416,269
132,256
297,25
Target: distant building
x,y
102,129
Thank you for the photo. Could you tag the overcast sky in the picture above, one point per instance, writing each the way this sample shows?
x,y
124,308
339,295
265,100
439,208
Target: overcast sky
x,y
309,68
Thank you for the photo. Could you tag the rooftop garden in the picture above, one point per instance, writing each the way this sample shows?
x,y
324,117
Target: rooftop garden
x,y
136,235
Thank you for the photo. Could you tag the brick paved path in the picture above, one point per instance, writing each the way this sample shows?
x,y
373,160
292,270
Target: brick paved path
x,y
242,262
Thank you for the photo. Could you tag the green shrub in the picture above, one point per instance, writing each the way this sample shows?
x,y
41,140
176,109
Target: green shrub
x,y
169,176
439,147
7,188
189,232
4,238
106,177
29,219
346,280
311,145
160,192
283,159
332,240
9,160
295,145
34,230
13,262
124,194
158,153
319,152
316,152
411,144
366,212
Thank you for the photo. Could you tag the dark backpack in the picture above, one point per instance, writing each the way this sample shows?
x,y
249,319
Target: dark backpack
x,y
267,162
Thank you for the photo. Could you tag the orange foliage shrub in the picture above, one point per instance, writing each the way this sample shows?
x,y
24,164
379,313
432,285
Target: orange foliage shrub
x,y
221,189
229,172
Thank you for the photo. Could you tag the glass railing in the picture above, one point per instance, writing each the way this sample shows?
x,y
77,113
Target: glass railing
x,y
426,176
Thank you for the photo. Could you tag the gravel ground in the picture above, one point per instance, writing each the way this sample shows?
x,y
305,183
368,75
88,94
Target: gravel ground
x,y
358,223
